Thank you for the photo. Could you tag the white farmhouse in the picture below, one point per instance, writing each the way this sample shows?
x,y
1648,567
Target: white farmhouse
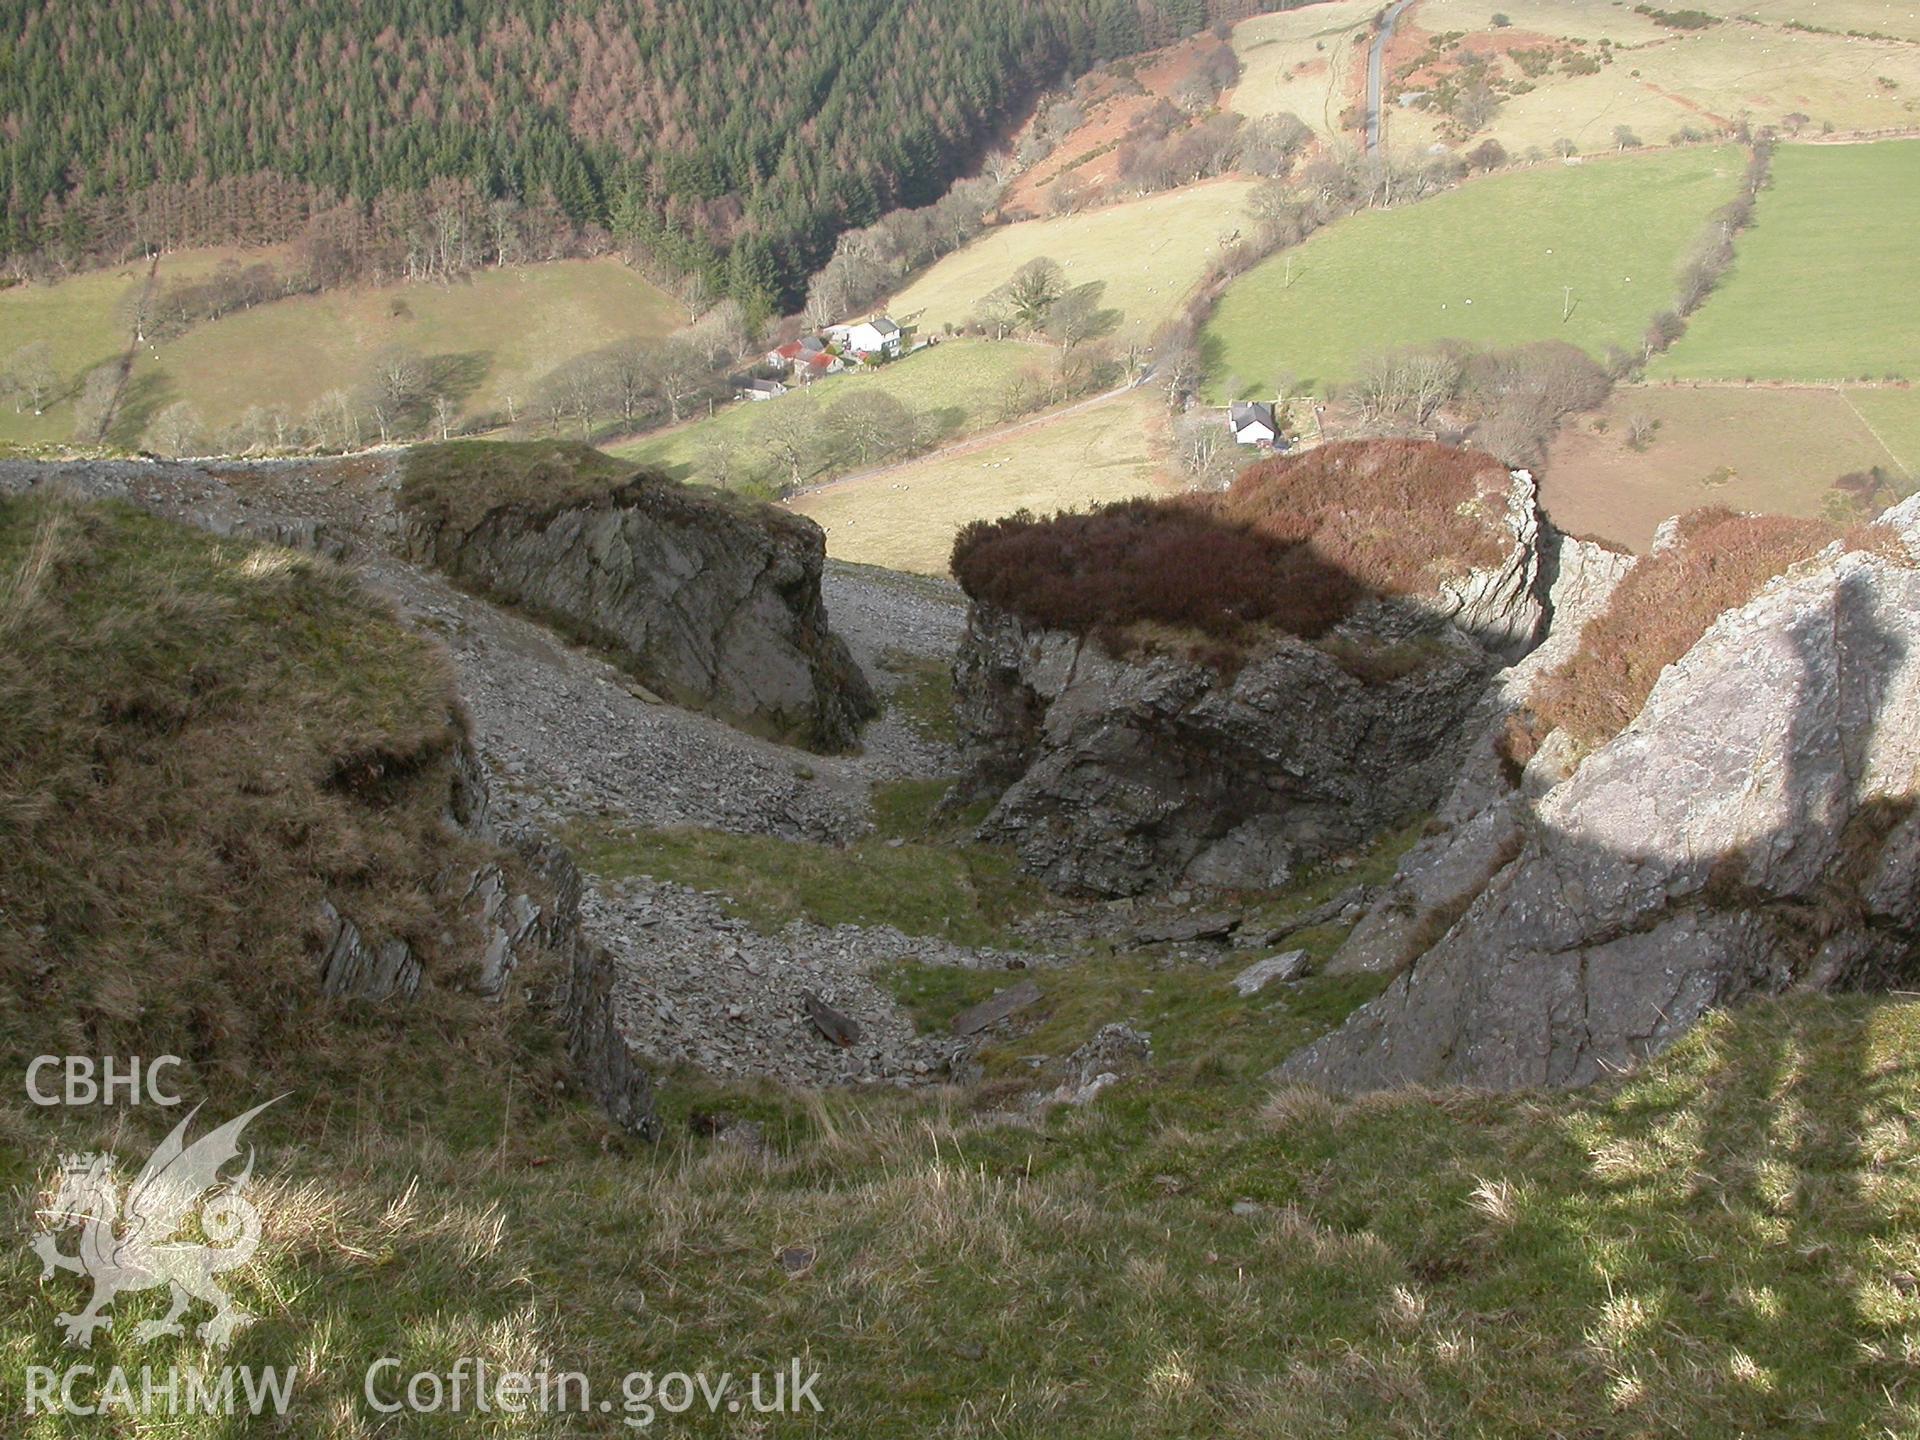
x,y
878,336
1252,423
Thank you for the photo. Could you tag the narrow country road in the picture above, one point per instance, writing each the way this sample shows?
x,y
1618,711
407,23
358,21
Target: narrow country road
x,y
1376,64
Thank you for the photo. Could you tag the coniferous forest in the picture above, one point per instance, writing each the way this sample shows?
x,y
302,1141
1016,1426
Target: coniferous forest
x,y
726,138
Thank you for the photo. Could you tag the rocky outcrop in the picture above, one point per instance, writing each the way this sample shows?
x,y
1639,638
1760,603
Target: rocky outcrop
x,y
1121,775
1478,827
1500,604
517,899
1753,831
605,1062
709,601
353,968
1131,775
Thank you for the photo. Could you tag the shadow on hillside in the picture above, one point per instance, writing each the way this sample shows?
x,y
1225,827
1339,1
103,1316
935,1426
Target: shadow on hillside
x,y
457,375
1726,1231
943,422
143,397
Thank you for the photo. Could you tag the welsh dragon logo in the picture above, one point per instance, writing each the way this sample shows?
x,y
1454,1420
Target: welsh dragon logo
x,y
133,1242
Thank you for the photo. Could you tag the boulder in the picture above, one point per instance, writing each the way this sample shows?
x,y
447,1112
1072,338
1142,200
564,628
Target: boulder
x,y
1186,929
1753,830
834,1025
709,601
1114,1050
1284,967
995,1008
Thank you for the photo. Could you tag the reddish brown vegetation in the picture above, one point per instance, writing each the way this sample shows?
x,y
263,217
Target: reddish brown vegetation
x,y
1168,562
1294,546
1720,561
1398,515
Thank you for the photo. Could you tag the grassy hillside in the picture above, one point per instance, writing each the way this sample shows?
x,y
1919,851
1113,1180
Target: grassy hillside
x,y
1718,1244
1306,61
954,387
1709,79
77,320
1496,261
1575,70
905,518
1146,253
1826,286
208,738
490,337
1882,17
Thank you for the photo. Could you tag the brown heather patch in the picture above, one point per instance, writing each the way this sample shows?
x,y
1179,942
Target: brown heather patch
x,y
1149,562
1293,546
1399,516
1719,562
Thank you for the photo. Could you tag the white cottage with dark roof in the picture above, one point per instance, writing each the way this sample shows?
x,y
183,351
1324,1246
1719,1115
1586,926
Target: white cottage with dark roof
x,y
1252,423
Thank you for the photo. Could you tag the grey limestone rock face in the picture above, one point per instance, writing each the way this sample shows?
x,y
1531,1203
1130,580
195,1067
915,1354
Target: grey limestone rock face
x,y
1124,775
1753,831
521,902
1477,827
714,603
1500,605
1134,775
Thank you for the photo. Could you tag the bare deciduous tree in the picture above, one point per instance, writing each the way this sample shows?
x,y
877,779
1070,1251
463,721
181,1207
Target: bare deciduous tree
x,y
717,455
1077,316
1068,195
1402,388
1204,450
677,375
1177,369
868,426
32,377
791,438
93,406
994,315
696,293
175,430
1270,143
396,384
627,370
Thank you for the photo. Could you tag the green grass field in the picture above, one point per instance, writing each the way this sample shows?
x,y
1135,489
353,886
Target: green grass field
x,y
1895,418
77,320
1826,285
955,386
500,330
1147,254
905,518
1495,261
